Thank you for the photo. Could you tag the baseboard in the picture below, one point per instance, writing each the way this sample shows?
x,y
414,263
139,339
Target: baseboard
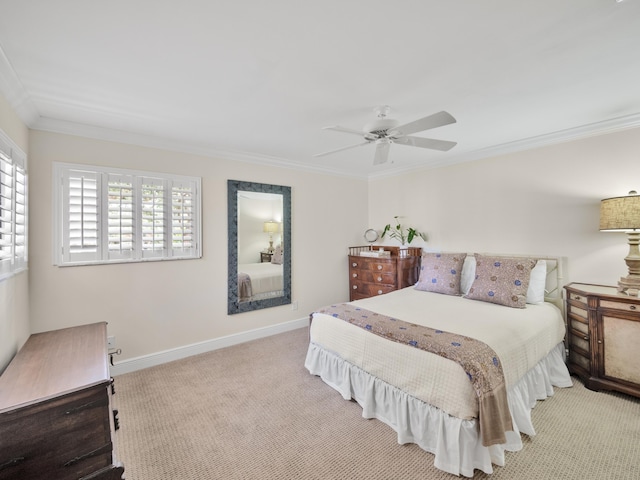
x,y
158,358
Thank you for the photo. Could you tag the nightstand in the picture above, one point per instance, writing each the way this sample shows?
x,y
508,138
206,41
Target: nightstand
x,y
603,333
265,257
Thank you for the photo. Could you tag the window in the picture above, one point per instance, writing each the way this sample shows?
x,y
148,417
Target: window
x,y
13,208
105,215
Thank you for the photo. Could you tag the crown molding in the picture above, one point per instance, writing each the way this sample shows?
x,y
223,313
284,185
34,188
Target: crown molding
x,y
14,92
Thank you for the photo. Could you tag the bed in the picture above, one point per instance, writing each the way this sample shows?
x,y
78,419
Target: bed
x,y
513,317
258,281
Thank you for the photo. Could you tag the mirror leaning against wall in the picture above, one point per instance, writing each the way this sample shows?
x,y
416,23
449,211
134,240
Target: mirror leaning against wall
x,y
259,246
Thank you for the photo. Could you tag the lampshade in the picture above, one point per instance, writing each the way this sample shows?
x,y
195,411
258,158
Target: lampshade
x,y
620,213
270,227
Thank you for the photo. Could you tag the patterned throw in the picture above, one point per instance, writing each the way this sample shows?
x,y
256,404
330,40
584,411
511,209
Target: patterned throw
x,y
478,360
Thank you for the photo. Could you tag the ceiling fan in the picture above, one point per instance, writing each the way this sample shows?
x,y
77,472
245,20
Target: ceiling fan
x,y
384,131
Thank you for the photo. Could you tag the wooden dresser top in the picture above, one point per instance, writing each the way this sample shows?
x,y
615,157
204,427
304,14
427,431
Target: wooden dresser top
x,y
55,363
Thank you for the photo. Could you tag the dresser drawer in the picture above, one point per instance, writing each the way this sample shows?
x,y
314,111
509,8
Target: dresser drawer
x,y
622,306
373,277
578,298
582,327
370,289
579,341
81,443
579,360
373,264
578,311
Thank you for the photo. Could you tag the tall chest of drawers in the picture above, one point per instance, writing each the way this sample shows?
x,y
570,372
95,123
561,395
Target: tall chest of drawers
x,y
603,337
56,420
376,275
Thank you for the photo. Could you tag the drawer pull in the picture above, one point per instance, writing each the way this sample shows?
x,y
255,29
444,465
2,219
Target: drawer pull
x,y
12,462
116,420
577,297
355,275
355,287
632,307
379,292
379,279
79,408
600,342
98,451
586,337
379,267
354,264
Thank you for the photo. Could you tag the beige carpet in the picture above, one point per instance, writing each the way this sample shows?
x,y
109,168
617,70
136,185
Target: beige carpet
x,y
253,411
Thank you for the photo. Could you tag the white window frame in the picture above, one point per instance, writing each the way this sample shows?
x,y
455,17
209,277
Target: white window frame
x,y
133,213
14,198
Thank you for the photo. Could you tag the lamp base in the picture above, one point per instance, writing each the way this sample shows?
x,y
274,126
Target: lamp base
x,y
629,285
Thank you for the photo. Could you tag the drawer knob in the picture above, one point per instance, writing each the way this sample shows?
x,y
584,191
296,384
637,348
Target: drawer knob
x,y
577,297
379,279
379,267
586,337
354,264
632,307
600,342
379,292
355,287
355,275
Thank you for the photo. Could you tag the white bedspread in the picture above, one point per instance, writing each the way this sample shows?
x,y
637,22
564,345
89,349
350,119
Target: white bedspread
x,y
520,337
265,277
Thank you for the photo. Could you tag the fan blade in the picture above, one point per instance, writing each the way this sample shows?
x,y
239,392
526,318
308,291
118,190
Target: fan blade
x,y
432,121
338,128
442,145
382,153
341,149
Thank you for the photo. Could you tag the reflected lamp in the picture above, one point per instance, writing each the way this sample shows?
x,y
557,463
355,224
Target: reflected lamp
x,y
270,227
622,214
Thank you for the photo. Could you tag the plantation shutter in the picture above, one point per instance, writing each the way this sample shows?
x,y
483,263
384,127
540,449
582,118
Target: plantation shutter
x,y
105,215
6,213
153,213
120,232
183,218
20,219
81,227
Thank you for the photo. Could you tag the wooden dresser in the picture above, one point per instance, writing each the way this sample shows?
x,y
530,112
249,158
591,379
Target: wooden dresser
x,y
370,276
603,337
56,420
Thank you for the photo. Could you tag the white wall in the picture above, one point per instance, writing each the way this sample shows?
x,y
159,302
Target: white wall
x,y
14,291
157,306
544,201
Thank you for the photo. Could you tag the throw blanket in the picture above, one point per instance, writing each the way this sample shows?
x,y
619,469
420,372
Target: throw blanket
x,y
244,287
478,360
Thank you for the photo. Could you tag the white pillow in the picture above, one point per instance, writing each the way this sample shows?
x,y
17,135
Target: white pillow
x,y
468,274
537,281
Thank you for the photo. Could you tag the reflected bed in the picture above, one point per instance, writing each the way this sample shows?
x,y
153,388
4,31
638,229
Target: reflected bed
x,y
259,281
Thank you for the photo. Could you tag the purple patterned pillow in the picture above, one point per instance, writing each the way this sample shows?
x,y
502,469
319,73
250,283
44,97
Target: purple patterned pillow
x,y
440,272
502,280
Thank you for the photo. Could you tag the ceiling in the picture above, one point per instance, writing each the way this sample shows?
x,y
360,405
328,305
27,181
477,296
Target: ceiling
x,y
257,81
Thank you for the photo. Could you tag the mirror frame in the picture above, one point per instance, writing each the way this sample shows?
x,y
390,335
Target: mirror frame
x,y
233,187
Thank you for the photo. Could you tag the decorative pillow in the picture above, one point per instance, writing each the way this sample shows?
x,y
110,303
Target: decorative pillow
x,y
468,274
501,280
537,281
440,273
276,258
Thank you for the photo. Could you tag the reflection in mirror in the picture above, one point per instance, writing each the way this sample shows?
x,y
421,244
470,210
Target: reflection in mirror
x,y
259,229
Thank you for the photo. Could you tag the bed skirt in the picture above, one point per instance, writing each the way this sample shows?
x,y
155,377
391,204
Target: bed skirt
x,y
455,442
